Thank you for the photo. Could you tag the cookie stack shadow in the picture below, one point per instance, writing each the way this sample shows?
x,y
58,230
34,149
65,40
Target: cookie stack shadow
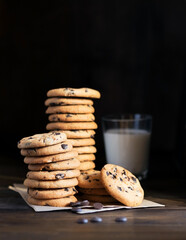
x,y
71,111
91,188
53,169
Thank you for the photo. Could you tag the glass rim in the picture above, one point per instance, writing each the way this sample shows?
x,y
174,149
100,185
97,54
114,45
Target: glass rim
x,y
127,117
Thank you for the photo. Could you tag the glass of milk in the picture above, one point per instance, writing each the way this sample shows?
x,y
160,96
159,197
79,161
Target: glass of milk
x,y
127,140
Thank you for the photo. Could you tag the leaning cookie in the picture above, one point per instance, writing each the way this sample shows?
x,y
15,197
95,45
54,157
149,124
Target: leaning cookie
x,y
31,183
51,102
122,185
71,109
51,193
49,150
71,117
53,175
42,140
55,166
60,202
74,92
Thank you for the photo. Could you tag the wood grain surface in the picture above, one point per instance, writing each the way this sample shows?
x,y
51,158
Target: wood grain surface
x,y
19,221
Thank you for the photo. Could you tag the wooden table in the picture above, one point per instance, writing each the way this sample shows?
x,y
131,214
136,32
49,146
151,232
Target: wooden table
x,y
19,221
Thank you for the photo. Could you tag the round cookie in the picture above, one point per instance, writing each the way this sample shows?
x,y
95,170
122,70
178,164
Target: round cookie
x,y
53,175
67,101
31,183
74,92
71,125
43,151
122,185
99,198
86,149
86,165
51,194
94,191
90,180
51,158
71,117
82,142
42,140
63,165
86,157
71,109
60,202
79,133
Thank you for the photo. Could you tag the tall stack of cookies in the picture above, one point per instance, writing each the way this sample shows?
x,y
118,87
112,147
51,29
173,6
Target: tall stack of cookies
x,y
71,111
53,169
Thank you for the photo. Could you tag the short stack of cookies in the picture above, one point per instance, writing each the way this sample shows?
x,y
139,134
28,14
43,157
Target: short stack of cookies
x,y
113,184
92,189
53,169
71,111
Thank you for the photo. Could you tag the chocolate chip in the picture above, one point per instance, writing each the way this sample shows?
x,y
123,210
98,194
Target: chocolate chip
x,y
121,179
86,90
87,177
66,189
114,176
82,220
119,188
75,204
89,180
92,136
85,203
69,115
121,219
107,173
130,188
133,178
60,176
96,219
64,146
97,180
57,133
98,205
115,169
76,210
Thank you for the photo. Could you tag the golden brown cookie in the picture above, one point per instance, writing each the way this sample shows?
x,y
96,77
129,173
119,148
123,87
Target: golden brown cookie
x,y
90,180
71,126
51,102
94,191
42,140
86,157
51,193
49,150
79,133
71,117
74,92
82,142
122,185
55,166
31,183
51,158
53,175
99,198
60,202
85,150
71,109
86,165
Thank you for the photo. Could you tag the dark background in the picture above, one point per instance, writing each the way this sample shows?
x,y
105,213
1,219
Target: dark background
x,y
133,52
